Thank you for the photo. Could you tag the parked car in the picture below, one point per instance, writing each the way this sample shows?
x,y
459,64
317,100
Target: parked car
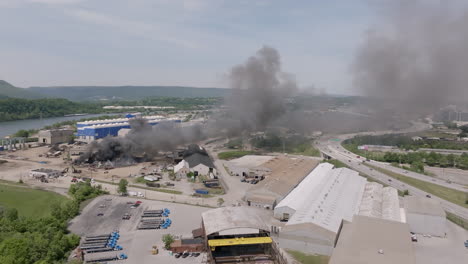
x,y
428,196
100,214
185,254
414,238
177,255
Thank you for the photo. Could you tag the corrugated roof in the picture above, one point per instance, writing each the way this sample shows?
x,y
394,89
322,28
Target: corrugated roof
x,y
426,206
286,173
307,190
226,218
339,198
380,202
360,242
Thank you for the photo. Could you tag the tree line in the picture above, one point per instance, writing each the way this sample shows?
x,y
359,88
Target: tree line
x,y
19,109
43,240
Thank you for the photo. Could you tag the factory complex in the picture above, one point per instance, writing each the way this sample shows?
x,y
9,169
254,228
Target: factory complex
x,y
319,209
88,131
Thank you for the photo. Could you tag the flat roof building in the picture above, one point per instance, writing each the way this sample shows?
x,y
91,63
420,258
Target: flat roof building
x,y
372,240
285,173
44,173
425,216
55,136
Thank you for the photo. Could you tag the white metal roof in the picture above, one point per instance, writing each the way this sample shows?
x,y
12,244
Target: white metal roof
x,y
338,198
380,202
307,190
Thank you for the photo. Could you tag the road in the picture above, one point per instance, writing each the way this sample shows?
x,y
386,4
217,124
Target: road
x,y
331,146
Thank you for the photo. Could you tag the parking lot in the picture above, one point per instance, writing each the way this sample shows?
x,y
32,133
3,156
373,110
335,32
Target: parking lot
x,y
436,250
137,244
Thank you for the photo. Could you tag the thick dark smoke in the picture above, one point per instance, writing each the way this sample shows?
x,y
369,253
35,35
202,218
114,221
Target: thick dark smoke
x,y
259,94
260,90
416,61
143,142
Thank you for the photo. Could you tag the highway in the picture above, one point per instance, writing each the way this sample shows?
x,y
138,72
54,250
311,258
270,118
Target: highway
x,y
331,146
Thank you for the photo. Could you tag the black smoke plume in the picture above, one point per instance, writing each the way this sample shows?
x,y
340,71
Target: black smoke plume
x,y
259,94
415,60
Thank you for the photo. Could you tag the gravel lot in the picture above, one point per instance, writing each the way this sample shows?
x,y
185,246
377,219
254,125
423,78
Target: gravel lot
x,y
137,244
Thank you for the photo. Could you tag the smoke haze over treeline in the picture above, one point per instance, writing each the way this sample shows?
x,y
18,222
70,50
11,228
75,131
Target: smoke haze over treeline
x,y
415,59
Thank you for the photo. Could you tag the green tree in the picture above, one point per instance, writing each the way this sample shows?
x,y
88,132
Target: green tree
x,y
167,239
123,186
11,214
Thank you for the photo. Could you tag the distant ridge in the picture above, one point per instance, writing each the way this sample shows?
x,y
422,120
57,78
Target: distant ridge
x,y
7,90
87,93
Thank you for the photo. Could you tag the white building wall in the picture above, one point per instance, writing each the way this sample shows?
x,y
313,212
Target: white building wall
x,y
307,241
281,212
202,169
427,224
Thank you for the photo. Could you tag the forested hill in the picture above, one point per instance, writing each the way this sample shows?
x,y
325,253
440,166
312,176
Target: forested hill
x,y
85,93
17,109
8,90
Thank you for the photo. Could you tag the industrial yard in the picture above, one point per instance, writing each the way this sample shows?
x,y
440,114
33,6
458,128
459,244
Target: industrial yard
x,y
250,209
137,244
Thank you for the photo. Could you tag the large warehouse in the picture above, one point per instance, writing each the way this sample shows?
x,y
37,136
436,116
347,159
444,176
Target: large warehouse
x,y
380,202
285,174
425,216
92,130
238,235
303,193
322,206
372,240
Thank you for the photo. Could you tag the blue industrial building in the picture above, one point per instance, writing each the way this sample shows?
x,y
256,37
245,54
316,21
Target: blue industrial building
x,y
92,130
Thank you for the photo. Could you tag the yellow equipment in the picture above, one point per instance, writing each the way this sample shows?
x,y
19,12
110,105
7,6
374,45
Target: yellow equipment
x,y
213,243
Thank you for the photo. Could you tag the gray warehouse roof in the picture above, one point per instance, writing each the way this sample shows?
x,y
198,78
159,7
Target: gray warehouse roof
x,y
360,242
226,218
425,206
197,158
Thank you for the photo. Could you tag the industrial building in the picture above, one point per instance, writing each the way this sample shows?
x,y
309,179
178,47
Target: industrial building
x,y
181,169
325,199
55,136
92,130
44,173
249,164
283,174
425,216
200,164
238,235
303,193
380,202
371,240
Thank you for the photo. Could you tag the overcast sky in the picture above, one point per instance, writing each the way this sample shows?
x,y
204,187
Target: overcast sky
x,y
176,42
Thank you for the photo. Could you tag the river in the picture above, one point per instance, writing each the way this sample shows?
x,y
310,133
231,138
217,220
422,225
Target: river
x,y
10,127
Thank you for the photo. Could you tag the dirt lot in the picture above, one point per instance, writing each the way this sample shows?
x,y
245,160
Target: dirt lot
x,y
137,243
